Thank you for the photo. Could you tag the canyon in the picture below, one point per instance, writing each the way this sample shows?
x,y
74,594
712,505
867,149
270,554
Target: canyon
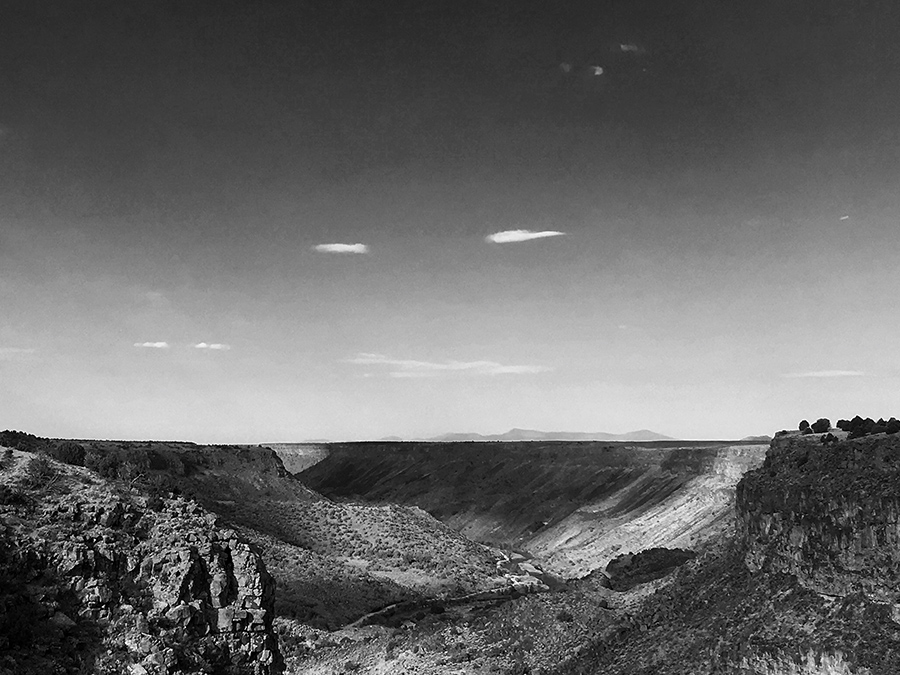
x,y
528,557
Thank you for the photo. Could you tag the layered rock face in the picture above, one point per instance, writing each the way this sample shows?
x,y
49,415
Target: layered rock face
x,y
575,505
827,513
159,591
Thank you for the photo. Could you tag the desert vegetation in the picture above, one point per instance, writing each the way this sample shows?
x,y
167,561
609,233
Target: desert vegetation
x,y
859,427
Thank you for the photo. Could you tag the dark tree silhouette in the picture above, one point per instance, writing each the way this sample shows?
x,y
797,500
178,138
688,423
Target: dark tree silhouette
x,y
68,452
821,425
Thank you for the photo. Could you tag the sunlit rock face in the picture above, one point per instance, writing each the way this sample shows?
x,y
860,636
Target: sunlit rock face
x,y
573,505
130,588
827,513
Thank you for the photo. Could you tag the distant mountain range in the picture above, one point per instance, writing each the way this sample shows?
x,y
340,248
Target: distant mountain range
x,y
529,435
534,435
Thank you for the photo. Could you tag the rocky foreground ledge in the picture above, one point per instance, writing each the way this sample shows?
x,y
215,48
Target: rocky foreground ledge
x,y
98,578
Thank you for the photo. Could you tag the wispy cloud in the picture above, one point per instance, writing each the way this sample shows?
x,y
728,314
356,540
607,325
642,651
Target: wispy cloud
x,y
413,368
827,373
342,248
510,236
212,345
11,353
152,345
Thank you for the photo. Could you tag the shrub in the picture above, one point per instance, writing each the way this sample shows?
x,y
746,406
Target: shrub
x,y
564,615
12,496
40,472
893,426
67,452
107,465
821,425
804,425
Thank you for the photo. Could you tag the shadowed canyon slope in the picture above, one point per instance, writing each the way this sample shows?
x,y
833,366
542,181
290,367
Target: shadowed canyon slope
x,y
574,504
333,562
806,585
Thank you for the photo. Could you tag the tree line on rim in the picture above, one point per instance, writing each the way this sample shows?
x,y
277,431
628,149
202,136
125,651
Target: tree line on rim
x,y
856,427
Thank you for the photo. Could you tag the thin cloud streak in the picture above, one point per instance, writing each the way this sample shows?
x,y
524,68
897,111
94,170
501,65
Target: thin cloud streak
x,y
828,373
511,236
212,345
152,345
409,368
342,248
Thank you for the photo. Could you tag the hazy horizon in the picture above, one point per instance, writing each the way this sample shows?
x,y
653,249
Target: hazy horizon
x,y
230,222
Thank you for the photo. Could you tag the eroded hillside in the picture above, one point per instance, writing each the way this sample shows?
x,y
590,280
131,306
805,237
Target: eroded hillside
x,y
806,586
799,579
575,505
334,562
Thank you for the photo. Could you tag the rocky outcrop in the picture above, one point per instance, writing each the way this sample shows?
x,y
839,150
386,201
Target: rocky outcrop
x,y
631,569
162,591
827,513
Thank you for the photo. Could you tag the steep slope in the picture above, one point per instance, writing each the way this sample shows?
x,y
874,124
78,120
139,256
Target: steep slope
x,y
333,562
807,586
94,578
297,457
828,514
212,473
575,504
698,510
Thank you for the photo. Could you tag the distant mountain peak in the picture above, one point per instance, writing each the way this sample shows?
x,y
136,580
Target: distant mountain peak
x,y
517,434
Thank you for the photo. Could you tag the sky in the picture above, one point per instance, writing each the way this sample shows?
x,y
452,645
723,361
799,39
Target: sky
x,y
275,221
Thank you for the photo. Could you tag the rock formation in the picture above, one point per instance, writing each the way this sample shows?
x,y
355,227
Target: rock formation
x,y
829,514
144,591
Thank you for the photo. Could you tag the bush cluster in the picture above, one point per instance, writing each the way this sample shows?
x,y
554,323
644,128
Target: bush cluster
x,y
67,452
820,426
859,427
22,441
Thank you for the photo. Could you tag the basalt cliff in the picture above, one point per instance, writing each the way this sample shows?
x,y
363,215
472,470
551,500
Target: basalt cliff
x,y
828,514
807,584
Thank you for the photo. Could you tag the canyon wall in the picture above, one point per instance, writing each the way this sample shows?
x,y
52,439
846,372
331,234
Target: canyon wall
x,y
827,513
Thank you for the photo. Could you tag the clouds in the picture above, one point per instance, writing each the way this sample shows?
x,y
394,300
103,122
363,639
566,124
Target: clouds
x,y
341,248
409,368
216,346
504,237
827,373
513,236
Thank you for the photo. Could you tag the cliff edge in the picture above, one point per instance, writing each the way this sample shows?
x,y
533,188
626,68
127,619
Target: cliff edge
x,y
827,513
